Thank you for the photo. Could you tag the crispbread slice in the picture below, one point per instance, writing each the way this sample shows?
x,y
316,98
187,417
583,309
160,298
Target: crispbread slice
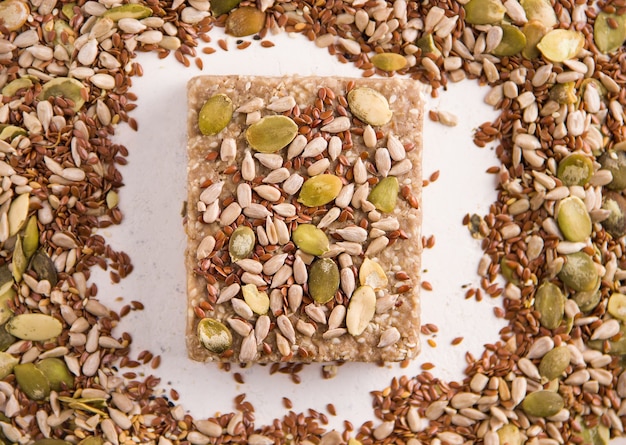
x,y
297,328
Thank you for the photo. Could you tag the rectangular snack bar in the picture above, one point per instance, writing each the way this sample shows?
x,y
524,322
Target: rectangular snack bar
x,y
303,219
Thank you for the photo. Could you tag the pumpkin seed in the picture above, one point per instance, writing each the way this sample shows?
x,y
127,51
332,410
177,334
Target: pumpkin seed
x,y
509,434
245,21
241,243
533,30
389,61
14,14
5,310
323,280
384,195
369,106
560,45
542,403
19,261
579,272
617,306
606,37
484,12
271,134
34,327
588,300
540,10
7,363
427,44
615,162
258,301
215,114
55,370
9,132
32,381
575,169
598,435
310,239
6,339
129,10
550,303
214,336
512,43
54,442
18,212
319,190
6,279
91,440
564,93
219,7
44,267
31,237
361,310
573,219
14,86
554,363
65,87
372,274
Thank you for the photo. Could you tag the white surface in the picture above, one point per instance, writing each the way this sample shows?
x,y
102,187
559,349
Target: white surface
x,y
152,234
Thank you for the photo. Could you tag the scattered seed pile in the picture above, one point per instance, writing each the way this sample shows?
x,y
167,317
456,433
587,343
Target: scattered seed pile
x,y
555,233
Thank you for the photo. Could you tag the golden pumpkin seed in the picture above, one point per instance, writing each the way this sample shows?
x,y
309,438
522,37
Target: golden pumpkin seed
x,y
310,239
14,14
18,212
361,310
271,134
215,114
384,195
606,37
534,31
615,162
484,12
617,306
554,363
68,10
32,381
550,303
540,10
245,21
258,301
509,434
542,403
512,43
241,243
369,106
372,274
34,327
575,169
219,7
55,370
7,363
579,272
319,190
64,87
128,11
564,93
560,45
573,219
214,336
323,280
389,61
44,267
11,88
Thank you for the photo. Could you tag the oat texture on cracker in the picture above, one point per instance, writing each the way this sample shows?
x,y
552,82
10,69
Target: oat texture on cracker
x,y
303,219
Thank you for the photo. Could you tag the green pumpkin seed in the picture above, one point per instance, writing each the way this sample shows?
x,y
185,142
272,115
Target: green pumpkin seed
x,y
310,239
575,169
44,267
323,280
598,435
245,21
19,261
319,190
534,31
32,381
10,132
7,364
214,336
18,212
484,12
542,403
93,405
540,10
361,310
615,162
68,10
573,219
215,114
241,243
6,279
550,303
5,309
65,87
14,86
219,7
92,440
128,11
617,306
579,272
31,237
57,373
258,301
6,339
564,93
588,300
271,134
606,37
427,44
508,272
34,327
52,442
369,106
554,363
613,347
14,14
384,195
509,434
389,61
512,43
560,45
